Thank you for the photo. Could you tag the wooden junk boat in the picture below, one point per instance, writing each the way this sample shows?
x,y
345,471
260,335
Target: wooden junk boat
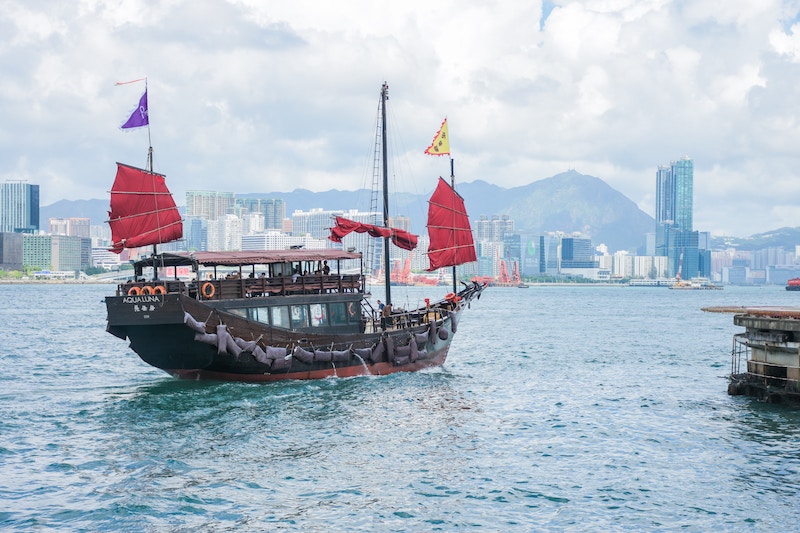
x,y
264,321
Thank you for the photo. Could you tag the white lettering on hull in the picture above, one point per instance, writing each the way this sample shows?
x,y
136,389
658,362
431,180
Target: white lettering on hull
x,y
143,299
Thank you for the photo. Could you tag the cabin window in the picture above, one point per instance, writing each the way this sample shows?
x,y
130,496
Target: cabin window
x,y
260,314
299,316
281,269
318,315
337,313
280,317
353,312
239,312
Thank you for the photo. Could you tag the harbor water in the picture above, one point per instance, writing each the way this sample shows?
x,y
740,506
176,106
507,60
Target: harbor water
x,y
579,408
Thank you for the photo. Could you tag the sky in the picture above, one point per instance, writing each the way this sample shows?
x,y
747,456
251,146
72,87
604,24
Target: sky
x,y
254,96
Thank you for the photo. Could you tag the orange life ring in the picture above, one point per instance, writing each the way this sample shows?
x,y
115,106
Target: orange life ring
x,y
159,289
450,296
147,289
207,290
134,291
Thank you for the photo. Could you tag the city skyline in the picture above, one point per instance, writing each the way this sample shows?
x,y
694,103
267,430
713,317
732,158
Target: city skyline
x,y
63,208
502,249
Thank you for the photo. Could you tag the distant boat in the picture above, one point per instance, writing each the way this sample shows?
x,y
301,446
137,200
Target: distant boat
x,y
793,284
695,284
647,282
265,321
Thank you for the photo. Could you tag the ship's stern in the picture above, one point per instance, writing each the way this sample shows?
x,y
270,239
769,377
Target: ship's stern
x,y
154,325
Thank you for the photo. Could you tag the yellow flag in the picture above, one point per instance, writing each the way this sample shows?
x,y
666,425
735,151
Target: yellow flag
x,y
441,142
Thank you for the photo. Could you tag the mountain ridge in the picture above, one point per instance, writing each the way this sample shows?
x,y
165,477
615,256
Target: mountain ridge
x,y
567,202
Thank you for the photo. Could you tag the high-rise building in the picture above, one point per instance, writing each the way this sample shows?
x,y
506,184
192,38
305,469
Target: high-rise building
x,y
19,207
675,236
59,226
275,240
494,229
549,246
400,222
56,252
665,199
10,251
195,231
273,209
74,227
577,253
674,194
512,248
80,227
683,177
317,222
225,234
209,205
274,213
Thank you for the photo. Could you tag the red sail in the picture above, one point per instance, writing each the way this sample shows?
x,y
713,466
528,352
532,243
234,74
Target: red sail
x,y
142,210
449,229
400,238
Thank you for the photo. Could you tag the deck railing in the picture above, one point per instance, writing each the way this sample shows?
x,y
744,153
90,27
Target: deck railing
x,y
230,288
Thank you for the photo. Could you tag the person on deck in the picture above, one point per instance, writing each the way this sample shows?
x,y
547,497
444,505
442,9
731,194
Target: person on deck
x,y
386,316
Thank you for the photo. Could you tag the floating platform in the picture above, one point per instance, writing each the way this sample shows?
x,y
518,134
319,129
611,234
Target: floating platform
x,y
765,359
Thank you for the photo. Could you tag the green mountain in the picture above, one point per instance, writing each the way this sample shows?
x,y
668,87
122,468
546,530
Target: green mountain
x,y
568,202
786,238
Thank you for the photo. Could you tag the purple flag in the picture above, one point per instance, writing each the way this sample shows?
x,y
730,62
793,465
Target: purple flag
x,y
139,117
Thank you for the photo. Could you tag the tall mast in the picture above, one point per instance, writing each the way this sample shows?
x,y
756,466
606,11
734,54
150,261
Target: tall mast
x,y
386,241
150,168
149,151
453,185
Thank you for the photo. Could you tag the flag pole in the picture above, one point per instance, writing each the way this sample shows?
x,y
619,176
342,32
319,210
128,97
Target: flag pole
x,y
441,146
149,139
141,117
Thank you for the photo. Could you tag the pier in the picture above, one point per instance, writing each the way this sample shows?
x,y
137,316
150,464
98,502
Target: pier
x,y
765,358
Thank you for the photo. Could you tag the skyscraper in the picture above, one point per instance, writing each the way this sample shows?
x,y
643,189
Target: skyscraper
x,y
665,206
209,205
675,236
74,227
494,229
683,176
19,207
675,193
274,213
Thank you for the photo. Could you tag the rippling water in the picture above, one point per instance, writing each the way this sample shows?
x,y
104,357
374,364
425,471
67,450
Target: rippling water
x,y
578,408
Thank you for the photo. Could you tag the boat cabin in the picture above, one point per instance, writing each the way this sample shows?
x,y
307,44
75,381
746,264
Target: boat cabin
x,y
232,275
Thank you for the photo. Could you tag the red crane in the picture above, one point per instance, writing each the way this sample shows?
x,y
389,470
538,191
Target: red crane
x,y
505,277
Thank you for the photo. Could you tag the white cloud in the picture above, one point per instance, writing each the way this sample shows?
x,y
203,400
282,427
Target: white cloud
x,y
787,44
253,96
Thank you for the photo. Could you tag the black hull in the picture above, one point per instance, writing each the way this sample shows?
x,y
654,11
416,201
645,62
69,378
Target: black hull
x,y
195,339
